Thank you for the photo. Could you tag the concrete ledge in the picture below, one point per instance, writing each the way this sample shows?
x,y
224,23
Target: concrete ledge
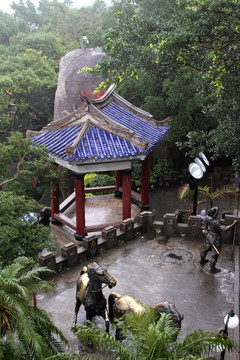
x,y
172,226
74,252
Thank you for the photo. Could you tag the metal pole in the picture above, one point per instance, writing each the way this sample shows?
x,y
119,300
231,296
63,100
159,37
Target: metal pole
x,y
225,332
235,227
195,200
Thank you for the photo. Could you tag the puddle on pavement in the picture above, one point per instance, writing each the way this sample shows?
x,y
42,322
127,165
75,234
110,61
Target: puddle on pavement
x,y
176,256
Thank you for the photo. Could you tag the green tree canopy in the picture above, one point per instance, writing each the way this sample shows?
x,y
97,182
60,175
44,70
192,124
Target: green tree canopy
x,y
32,42
21,234
202,36
24,176
27,91
49,45
25,169
8,28
26,331
205,37
25,14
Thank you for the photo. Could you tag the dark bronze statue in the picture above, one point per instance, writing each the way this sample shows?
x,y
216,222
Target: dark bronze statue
x,y
118,305
211,228
89,292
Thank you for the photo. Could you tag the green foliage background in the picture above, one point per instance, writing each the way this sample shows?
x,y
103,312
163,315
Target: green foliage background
x,y
177,58
19,236
171,58
184,63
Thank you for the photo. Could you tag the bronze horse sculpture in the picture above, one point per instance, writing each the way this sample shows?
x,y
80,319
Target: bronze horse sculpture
x,y
89,292
118,305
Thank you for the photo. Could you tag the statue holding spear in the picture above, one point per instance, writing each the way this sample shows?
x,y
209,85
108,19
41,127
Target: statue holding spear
x,y
211,228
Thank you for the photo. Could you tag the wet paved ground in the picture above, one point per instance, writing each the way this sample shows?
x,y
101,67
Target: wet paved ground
x,y
153,271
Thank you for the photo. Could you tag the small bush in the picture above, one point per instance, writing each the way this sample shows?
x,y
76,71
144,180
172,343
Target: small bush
x,y
99,181
137,171
163,167
88,178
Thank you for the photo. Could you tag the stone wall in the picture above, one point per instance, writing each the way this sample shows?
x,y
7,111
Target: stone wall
x,y
171,226
73,254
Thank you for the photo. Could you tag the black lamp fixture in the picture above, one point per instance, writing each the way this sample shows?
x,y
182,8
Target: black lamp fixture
x,y
196,171
231,321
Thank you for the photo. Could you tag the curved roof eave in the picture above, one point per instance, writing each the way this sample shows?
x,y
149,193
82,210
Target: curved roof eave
x,y
97,166
109,130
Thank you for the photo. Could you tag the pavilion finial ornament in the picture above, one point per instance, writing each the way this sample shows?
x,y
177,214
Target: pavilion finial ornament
x,y
165,122
67,120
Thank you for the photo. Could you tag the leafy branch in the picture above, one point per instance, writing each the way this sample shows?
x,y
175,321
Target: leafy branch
x,y
226,191
18,171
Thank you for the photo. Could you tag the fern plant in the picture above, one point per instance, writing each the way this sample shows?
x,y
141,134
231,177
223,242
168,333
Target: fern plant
x,y
226,191
26,332
149,338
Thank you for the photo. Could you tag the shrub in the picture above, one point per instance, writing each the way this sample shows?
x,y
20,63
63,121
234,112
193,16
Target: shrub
x,y
136,173
163,167
99,181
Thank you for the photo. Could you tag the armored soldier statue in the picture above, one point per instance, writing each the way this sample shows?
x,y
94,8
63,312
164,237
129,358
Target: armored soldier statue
x,y
211,228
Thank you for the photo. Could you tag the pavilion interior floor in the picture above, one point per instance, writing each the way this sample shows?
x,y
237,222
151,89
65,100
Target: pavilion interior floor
x,y
98,210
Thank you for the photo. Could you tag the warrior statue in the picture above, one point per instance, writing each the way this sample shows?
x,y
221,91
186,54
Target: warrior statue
x,y
211,228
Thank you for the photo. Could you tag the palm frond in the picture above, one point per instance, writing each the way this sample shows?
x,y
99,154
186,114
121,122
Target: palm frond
x,y
37,333
227,191
32,328
105,341
205,190
150,335
138,321
11,349
58,346
151,340
32,283
36,274
46,326
71,356
17,268
201,342
21,275
183,191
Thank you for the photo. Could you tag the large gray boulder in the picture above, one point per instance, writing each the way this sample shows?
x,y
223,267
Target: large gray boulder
x,y
72,85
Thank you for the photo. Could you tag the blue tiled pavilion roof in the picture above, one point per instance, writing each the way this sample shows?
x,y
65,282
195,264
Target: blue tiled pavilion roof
x,y
99,143
141,128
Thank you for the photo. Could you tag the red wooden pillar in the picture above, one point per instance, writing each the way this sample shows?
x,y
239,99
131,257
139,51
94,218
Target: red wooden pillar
x,y
118,181
80,206
54,189
145,181
126,194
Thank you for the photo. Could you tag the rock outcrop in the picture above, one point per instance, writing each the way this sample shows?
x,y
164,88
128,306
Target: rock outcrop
x,y
72,85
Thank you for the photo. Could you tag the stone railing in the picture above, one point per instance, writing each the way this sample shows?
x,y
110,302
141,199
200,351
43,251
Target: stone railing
x,y
91,245
174,225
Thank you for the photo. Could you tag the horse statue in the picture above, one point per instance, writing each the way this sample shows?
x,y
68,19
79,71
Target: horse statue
x,y
89,292
118,305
